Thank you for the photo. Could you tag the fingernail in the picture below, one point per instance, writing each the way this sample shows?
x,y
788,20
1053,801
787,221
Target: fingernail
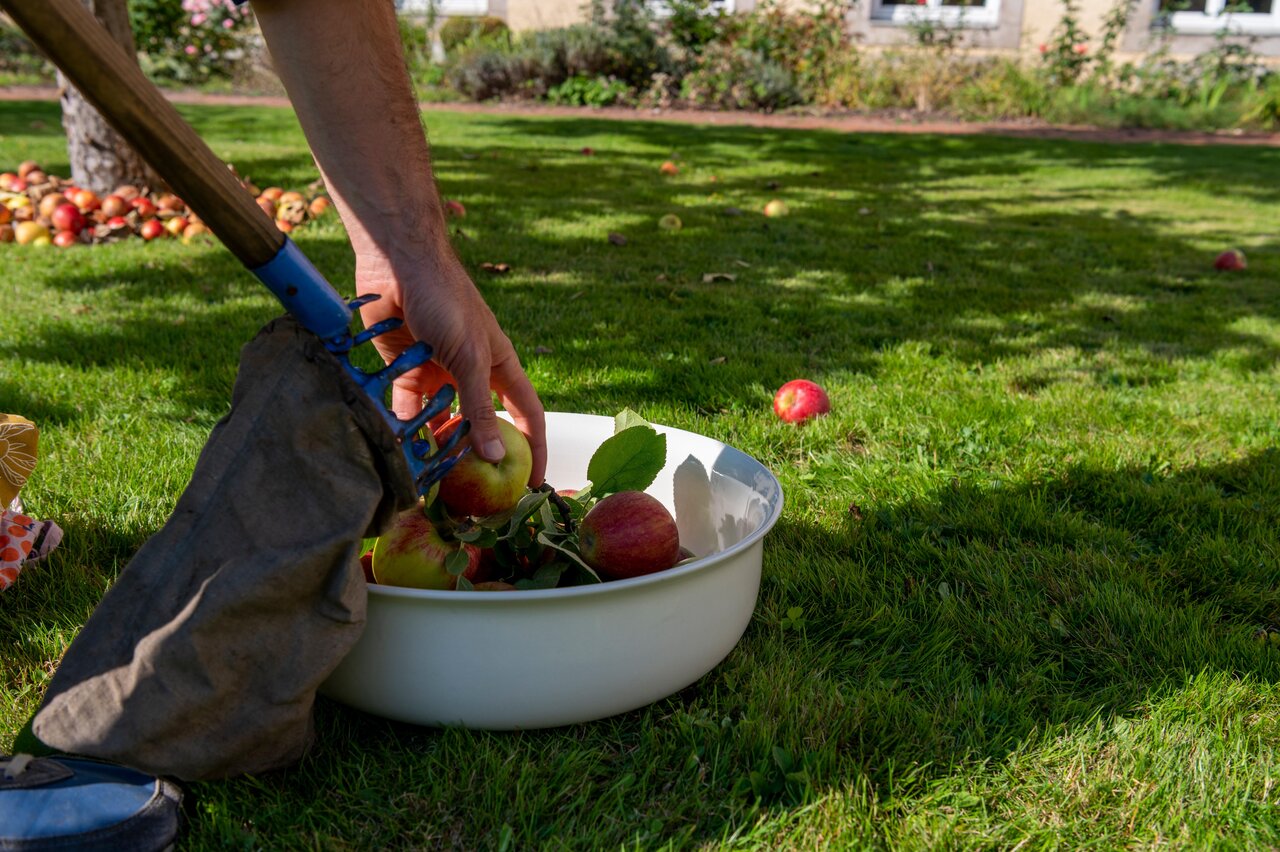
x,y
494,450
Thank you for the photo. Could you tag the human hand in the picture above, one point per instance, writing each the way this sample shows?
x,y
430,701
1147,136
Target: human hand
x,y
441,306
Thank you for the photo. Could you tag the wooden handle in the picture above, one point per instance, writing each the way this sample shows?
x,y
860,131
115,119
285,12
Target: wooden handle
x,y
111,80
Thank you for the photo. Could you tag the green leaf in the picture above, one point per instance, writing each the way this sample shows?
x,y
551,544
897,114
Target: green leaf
x,y
464,585
367,544
569,550
625,419
629,461
455,563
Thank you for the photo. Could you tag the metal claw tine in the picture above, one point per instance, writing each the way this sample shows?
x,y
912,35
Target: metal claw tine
x,y
436,471
406,429
411,358
380,327
440,403
360,301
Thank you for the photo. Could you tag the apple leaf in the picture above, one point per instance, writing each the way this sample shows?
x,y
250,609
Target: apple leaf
x,y
546,577
572,553
625,419
455,563
629,461
464,585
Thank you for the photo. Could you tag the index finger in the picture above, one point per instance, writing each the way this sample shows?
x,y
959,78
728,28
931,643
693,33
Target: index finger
x,y
518,397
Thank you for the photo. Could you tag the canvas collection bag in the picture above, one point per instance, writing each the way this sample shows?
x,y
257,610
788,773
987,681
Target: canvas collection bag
x,y
203,660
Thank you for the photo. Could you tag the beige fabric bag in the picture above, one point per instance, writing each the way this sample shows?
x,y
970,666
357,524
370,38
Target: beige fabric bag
x,y
202,661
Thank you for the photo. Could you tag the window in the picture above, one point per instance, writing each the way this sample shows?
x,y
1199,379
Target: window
x,y
968,13
1206,17
445,7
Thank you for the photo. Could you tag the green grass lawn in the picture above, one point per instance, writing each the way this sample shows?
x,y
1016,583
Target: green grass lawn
x,y
1033,543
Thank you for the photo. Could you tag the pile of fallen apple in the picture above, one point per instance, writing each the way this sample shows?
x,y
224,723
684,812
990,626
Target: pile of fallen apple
x,y
483,529
40,209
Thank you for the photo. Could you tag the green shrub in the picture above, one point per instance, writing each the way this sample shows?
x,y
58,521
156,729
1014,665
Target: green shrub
x,y
581,90
19,56
731,77
458,31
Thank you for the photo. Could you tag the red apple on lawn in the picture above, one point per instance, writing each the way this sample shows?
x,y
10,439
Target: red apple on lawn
x,y
799,400
151,229
115,223
1230,261
273,193
67,217
6,180
629,534
454,208
411,553
669,168
477,487
27,167
86,200
65,239
51,202
176,225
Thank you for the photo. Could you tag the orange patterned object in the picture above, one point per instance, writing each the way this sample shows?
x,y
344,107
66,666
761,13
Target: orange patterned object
x,y
23,539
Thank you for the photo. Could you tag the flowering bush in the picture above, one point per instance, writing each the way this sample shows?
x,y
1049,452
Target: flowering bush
x,y
190,41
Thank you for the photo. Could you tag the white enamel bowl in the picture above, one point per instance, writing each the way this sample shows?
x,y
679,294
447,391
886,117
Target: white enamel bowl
x,y
538,659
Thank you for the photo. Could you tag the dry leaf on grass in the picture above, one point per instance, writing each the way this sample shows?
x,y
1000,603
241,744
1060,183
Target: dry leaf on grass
x,y
712,277
495,268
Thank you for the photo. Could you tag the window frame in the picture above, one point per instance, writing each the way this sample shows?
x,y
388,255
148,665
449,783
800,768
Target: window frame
x,y
1214,20
986,16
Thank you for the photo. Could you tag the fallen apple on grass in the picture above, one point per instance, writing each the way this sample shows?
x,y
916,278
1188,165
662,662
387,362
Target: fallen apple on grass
x,y
776,208
1230,261
669,168
151,229
800,400
670,222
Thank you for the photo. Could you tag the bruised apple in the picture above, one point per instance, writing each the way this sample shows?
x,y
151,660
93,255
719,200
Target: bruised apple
x,y
629,534
411,553
477,487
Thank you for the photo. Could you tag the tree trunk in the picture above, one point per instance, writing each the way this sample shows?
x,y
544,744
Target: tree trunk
x,y
100,159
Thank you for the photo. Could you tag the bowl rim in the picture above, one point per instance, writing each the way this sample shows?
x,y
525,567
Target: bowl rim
x,y
669,575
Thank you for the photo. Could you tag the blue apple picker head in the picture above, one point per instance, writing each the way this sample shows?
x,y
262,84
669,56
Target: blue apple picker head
x,y
111,80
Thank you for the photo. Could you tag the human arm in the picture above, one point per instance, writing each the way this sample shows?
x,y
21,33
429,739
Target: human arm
x,y
342,65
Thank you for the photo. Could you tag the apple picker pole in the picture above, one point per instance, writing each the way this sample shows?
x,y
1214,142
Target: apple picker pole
x,y
204,657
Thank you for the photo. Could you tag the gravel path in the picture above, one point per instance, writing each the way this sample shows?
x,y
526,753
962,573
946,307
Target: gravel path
x,y
843,123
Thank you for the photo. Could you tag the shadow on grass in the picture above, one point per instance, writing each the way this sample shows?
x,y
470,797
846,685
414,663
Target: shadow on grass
x,y
937,633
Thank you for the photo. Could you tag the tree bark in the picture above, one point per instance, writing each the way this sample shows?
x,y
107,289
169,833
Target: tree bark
x,y
100,159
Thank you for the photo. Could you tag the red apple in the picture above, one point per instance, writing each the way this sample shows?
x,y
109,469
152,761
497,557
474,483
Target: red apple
x,y
1230,261
272,192
143,207
319,206
268,206
629,534
6,180
126,191
86,200
51,202
67,217
65,239
27,167
152,229
799,400
116,222
477,487
37,177
114,205
669,168
411,553
193,231
454,208
176,225
366,565
5,215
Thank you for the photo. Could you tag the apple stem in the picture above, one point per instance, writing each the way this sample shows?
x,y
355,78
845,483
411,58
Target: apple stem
x,y
562,507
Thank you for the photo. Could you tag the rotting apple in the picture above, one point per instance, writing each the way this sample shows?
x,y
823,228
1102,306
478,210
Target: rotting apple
x,y
114,205
412,553
477,487
800,400
670,222
629,534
